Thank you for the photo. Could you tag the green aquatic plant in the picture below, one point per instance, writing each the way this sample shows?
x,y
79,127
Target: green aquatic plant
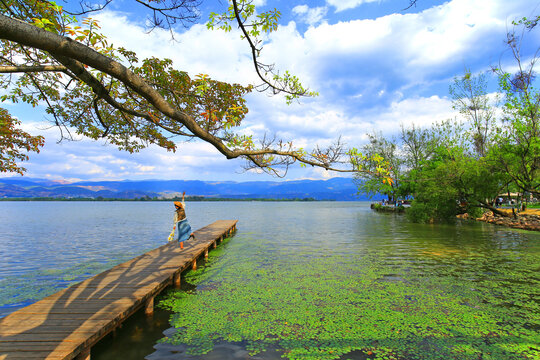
x,y
313,304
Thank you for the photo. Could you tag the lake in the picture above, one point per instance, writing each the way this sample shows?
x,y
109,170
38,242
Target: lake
x,y
300,280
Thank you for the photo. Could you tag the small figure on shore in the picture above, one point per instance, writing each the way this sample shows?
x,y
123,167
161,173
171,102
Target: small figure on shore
x,y
181,225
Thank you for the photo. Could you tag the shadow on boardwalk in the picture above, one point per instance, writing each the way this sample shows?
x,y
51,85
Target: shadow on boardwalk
x,y
68,323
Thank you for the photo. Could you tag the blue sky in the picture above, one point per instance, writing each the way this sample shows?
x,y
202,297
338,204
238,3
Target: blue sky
x,y
375,66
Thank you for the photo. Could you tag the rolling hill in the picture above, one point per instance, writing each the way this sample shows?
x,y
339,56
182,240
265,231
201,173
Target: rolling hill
x,y
332,189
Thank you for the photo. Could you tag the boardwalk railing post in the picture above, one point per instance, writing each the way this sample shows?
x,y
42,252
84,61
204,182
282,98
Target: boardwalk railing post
x,y
84,355
149,307
177,280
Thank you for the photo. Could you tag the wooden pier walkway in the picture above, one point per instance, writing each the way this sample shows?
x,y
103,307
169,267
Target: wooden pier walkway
x,y
67,324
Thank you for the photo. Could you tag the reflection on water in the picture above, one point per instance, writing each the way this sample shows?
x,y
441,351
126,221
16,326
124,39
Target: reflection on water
x,y
323,280
458,291
47,246
133,339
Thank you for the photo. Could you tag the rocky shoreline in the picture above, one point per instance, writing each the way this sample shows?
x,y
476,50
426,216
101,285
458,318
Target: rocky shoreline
x,y
522,221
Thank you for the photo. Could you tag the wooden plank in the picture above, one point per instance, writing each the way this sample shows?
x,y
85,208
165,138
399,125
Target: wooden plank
x,y
29,355
53,335
29,346
111,306
103,293
19,318
59,326
71,320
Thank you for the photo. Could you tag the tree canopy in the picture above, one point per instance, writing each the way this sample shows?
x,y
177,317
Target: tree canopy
x,y
15,143
57,56
463,165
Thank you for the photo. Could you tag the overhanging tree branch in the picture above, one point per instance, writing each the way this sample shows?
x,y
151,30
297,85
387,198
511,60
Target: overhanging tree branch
x,y
29,69
75,57
411,4
255,54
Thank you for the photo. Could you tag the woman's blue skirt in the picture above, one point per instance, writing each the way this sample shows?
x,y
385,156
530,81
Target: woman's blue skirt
x,y
183,230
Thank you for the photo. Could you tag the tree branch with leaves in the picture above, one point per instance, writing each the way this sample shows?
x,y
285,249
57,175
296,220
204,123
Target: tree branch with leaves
x,y
15,144
55,57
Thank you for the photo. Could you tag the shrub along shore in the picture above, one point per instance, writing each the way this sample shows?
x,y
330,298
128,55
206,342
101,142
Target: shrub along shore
x,y
388,208
526,220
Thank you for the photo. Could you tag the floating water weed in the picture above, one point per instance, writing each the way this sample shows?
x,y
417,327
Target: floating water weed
x,y
321,306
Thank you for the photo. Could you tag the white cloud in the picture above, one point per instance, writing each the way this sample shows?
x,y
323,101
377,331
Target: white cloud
x,y
430,38
368,72
89,159
381,60
341,5
319,173
321,123
310,16
421,112
145,169
300,9
307,125
416,46
224,56
395,52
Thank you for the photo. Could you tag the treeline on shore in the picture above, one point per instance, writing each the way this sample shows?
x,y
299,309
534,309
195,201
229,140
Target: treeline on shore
x,y
486,158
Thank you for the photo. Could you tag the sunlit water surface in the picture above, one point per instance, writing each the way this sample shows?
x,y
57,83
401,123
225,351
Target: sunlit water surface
x,y
300,271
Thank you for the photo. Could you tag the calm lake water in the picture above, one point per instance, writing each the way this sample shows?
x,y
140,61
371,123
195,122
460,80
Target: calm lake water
x,y
314,280
46,246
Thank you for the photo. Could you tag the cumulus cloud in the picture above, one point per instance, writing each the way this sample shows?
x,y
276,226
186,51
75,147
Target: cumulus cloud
x,y
396,49
87,159
341,5
372,75
310,16
224,56
421,42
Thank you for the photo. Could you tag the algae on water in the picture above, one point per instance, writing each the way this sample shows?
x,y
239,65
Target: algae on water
x,y
324,302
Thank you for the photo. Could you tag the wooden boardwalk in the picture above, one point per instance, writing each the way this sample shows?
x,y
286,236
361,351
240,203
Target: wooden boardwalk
x,y
67,324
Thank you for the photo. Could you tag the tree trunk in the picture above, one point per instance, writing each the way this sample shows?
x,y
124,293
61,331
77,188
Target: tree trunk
x,y
494,209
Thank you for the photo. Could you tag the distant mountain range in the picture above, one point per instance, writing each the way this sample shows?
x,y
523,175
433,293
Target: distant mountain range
x,y
333,189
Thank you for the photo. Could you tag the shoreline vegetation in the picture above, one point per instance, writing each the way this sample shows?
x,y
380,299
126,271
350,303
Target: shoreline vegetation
x,y
388,208
147,198
525,220
474,163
